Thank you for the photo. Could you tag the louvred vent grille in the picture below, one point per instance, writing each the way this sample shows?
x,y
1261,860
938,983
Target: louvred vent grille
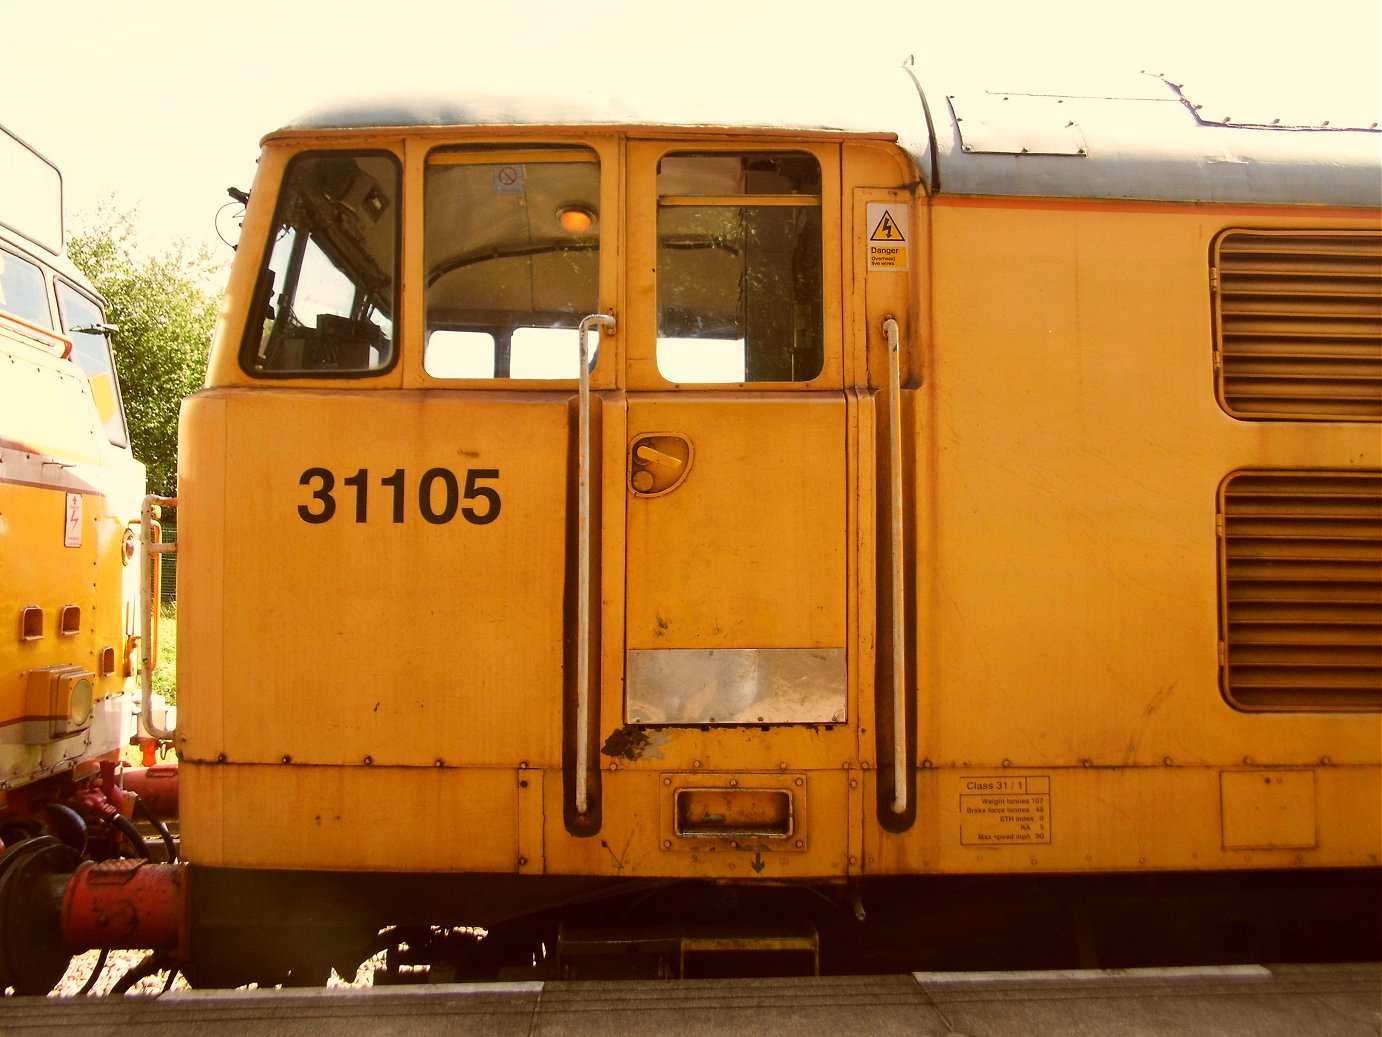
x,y
1299,325
1302,590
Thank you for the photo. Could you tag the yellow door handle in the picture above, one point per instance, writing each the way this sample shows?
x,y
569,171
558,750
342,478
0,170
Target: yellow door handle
x,y
651,455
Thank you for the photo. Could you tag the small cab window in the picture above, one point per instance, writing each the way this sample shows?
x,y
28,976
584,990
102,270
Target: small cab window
x,y
327,294
23,290
84,323
512,262
739,283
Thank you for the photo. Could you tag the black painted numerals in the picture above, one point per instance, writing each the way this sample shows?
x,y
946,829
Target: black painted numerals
x,y
322,495
440,497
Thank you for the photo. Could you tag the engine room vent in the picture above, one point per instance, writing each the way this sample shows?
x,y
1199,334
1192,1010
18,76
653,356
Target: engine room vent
x,y
1301,591
1298,324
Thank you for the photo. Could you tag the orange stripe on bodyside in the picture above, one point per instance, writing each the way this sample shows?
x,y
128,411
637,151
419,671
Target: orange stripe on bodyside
x,y
1147,207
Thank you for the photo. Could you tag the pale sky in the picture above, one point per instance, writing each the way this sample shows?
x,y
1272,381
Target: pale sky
x,y
161,103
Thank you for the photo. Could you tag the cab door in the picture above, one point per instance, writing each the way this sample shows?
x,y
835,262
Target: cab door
x,y
737,490
736,460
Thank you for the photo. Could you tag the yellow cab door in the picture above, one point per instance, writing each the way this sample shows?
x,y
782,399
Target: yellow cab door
x,y
737,713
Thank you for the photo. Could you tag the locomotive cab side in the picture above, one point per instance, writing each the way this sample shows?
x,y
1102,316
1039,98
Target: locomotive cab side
x,y
939,496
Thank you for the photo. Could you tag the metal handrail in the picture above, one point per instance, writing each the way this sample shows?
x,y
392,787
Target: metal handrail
x,y
899,662
583,562
149,549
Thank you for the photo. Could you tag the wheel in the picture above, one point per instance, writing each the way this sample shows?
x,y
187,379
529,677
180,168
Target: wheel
x,y
33,957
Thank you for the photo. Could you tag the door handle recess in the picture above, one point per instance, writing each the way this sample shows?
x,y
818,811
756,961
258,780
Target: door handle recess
x,y
659,462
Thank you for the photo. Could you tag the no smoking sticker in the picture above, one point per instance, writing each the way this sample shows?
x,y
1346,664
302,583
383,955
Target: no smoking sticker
x,y
887,229
508,179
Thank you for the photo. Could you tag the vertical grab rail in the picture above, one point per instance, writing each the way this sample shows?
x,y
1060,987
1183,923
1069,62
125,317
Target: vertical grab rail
x,y
149,552
583,552
898,577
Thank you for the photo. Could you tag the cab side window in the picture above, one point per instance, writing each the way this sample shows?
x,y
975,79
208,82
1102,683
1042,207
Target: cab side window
x,y
82,322
512,244
327,295
23,291
739,279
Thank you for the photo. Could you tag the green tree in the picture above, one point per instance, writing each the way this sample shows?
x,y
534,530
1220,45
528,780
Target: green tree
x,y
165,317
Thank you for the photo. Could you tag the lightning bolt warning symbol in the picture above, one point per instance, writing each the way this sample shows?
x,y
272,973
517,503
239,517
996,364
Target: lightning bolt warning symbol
x,y
887,229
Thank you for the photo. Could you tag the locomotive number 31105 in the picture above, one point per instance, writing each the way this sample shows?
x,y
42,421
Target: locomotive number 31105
x,y
440,495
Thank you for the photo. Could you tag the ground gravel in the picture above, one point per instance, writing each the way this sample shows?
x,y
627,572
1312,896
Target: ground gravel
x,y
118,963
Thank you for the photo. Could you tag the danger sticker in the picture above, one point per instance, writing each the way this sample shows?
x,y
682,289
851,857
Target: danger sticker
x,y
887,243
1007,811
72,522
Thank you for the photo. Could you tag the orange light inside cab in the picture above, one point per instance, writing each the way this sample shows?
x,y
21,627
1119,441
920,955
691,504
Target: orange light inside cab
x,y
575,219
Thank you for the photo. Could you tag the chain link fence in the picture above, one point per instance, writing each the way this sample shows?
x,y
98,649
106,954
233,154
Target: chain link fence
x,y
168,574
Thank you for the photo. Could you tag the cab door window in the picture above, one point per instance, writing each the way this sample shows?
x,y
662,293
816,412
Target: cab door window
x,y
512,262
739,277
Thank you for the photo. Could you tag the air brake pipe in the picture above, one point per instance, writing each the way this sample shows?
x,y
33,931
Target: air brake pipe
x,y
583,540
156,787
126,903
899,627
150,605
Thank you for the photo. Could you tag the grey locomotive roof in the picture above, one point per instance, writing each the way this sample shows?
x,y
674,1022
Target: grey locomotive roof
x,y
1137,138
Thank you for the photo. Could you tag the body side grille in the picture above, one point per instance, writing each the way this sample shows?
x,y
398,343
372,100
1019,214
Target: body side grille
x,y
1298,325
1301,556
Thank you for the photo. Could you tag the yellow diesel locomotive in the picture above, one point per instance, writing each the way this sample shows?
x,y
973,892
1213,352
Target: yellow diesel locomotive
x,y
621,519
70,587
